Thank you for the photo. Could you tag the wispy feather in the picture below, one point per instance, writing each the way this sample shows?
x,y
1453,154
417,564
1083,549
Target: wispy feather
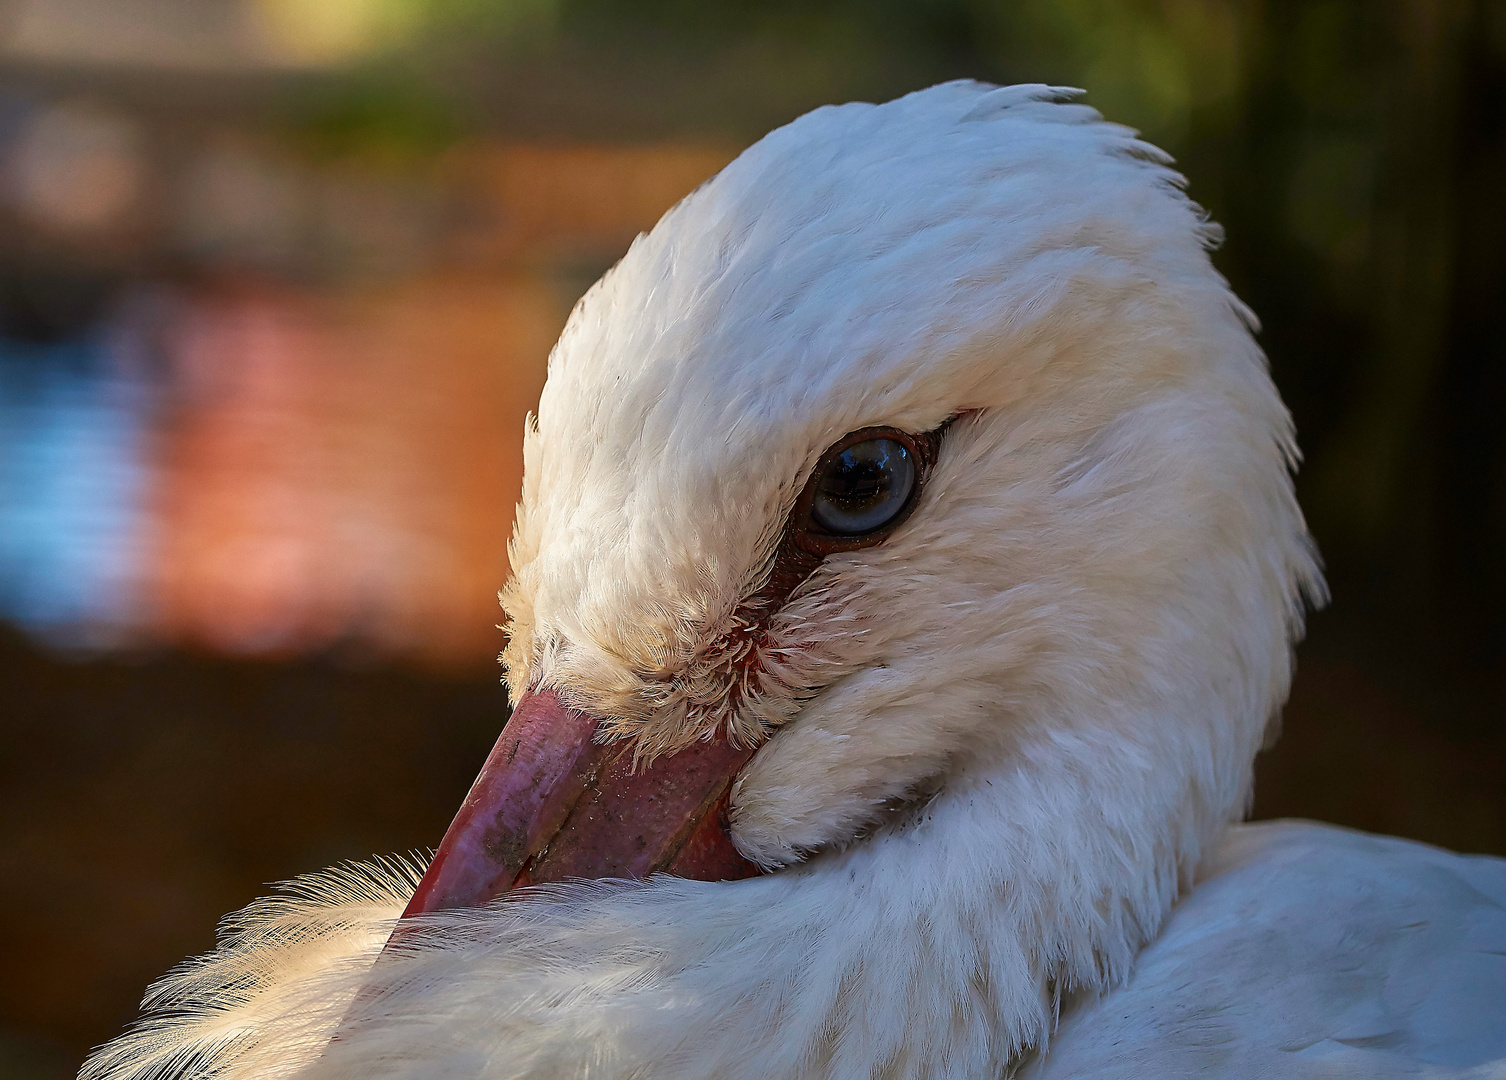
x,y
280,959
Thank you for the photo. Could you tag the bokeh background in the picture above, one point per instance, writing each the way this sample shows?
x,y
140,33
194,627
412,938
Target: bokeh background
x,y
277,284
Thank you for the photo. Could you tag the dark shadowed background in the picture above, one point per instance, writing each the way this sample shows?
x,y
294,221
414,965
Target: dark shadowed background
x,y
277,284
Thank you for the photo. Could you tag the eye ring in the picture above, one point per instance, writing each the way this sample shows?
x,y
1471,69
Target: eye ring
x,y
811,536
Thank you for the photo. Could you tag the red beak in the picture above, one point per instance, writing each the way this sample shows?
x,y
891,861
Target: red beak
x,y
552,804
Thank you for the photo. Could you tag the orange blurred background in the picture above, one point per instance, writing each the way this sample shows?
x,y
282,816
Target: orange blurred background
x,y
343,468
335,464
278,283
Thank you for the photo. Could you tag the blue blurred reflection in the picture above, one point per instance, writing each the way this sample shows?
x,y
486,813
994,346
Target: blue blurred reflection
x,y
73,491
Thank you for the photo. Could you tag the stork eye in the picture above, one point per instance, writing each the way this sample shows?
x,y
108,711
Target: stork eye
x,y
861,489
864,487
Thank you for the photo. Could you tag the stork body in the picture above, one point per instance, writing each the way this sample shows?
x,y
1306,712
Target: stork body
x,y
914,507
1308,951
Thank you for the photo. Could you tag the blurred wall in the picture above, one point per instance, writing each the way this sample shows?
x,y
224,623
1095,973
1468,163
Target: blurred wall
x,y
277,287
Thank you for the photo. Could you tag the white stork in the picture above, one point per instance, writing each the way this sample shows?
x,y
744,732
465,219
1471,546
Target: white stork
x,y
908,564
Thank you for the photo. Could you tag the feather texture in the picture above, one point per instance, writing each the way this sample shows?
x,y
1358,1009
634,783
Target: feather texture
x,y
998,747
269,996
1310,951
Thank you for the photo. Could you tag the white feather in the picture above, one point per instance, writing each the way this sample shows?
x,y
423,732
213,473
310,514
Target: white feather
x,y
1309,951
999,745
269,995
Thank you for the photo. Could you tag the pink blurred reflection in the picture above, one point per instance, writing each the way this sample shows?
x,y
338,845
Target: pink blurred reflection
x,y
342,468
345,469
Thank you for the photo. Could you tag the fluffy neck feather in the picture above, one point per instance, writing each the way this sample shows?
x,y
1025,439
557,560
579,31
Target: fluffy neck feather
x,y
939,946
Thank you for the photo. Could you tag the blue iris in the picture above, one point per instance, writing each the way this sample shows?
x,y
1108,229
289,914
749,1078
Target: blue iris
x,y
864,487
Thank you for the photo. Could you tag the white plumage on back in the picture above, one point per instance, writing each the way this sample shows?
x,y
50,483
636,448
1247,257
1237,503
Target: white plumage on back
x,y
1000,745
1309,951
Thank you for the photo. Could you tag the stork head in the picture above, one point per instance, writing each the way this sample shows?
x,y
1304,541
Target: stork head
x,y
910,514
921,449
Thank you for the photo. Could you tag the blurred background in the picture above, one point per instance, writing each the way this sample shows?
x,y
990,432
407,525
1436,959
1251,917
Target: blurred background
x,y
277,284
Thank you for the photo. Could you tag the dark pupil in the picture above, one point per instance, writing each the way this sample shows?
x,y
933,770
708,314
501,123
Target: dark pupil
x,y
864,487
